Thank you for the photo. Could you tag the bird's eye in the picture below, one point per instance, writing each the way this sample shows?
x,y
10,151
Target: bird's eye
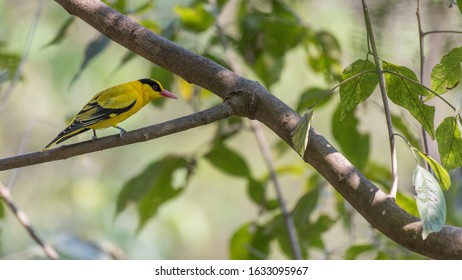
x,y
156,87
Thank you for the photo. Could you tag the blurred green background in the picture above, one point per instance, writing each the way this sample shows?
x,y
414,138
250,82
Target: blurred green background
x,y
72,203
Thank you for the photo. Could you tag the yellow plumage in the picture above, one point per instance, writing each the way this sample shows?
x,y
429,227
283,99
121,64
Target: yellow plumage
x,y
112,106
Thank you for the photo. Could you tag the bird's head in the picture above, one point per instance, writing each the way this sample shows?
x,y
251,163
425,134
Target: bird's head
x,y
155,89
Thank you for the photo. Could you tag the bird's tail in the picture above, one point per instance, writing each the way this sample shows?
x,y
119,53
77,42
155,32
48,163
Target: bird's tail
x,y
64,135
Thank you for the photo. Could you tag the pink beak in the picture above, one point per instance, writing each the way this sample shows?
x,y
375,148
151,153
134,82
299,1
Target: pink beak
x,y
168,94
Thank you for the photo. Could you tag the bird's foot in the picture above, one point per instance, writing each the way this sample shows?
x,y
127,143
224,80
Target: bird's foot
x,y
122,131
94,135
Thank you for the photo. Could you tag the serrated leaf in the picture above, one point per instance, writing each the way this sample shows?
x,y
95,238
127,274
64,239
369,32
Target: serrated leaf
x,y
359,88
354,144
406,94
61,34
430,201
354,251
446,75
228,161
93,49
249,242
152,187
449,141
441,174
195,18
301,133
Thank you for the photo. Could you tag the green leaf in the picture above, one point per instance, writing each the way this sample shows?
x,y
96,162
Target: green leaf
x,y
449,141
301,132
93,49
407,202
430,201
61,34
459,5
441,174
378,173
9,62
382,255
277,228
354,144
446,75
310,96
406,94
311,235
358,88
159,182
249,242
195,18
119,5
304,207
228,161
354,251
256,191
262,28
323,53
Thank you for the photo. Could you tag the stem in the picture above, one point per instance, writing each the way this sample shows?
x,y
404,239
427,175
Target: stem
x,y
422,63
441,31
394,160
265,151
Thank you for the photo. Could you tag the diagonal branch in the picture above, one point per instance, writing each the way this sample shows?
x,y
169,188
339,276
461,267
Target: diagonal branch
x,y
373,204
24,221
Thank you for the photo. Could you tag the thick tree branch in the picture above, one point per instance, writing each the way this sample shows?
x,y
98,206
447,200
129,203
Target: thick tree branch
x,y
253,101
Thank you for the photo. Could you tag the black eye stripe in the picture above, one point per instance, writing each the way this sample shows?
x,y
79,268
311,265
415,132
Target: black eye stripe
x,y
154,84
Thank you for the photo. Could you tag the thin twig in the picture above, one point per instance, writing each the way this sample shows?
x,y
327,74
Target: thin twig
x,y
213,114
394,160
24,221
422,67
25,54
264,149
441,31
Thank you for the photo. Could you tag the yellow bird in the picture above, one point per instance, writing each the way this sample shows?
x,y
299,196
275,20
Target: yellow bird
x,y
112,106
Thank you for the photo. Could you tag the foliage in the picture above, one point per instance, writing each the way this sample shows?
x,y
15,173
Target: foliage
x,y
262,35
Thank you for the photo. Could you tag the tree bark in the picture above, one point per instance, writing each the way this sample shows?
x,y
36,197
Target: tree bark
x,y
249,99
